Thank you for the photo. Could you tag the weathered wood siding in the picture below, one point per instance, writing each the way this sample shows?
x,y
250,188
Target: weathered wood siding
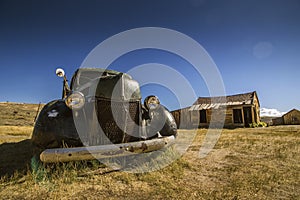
x,y
277,121
187,119
292,117
256,109
229,118
182,118
190,117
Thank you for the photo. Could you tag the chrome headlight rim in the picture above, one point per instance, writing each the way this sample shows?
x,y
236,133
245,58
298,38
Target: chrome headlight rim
x,y
75,100
151,102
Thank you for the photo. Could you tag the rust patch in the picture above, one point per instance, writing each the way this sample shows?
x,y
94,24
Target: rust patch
x,y
144,147
131,149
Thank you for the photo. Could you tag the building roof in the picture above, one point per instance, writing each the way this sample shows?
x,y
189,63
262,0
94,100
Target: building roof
x,y
293,110
203,103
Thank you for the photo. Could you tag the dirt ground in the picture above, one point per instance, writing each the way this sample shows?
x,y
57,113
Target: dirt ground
x,y
259,163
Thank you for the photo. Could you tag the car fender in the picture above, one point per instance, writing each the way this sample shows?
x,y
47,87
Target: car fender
x,y
54,126
162,121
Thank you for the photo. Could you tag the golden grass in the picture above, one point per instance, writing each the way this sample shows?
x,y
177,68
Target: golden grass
x,y
14,133
260,163
16,121
16,130
18,114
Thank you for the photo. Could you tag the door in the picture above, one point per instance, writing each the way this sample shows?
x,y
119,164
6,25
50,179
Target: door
x,y
247,116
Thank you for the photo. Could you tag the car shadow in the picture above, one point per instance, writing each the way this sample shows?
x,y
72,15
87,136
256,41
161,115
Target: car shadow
x,y
15,158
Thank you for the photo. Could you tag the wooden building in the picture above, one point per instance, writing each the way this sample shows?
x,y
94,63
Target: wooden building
x,y
234,111
290,118
277,121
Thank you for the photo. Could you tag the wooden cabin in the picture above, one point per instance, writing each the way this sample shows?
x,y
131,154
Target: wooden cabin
x,y
290,118
238,110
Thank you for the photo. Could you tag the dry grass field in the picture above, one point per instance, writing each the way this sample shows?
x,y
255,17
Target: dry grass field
x,y
17,114
252,163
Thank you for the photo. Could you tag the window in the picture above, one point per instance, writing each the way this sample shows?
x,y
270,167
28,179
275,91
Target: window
x,y
237,116
203,116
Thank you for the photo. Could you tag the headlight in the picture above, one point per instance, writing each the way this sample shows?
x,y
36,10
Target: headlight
x,y
75,101
151,102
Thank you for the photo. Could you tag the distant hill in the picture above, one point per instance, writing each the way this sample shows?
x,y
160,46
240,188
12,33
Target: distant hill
x,y
270,112
267,120
18,114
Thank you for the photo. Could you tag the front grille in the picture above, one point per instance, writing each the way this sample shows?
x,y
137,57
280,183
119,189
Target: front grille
x,y
120,121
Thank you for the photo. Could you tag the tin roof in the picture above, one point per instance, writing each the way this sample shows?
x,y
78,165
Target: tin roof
x,y
203,103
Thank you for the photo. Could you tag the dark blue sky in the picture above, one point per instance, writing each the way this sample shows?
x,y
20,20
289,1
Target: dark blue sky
x,y
255,44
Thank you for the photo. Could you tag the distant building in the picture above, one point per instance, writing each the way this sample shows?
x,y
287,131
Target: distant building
x,y
277,121
240,111
290,118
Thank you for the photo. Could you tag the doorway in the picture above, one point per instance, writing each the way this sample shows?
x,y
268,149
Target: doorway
x,y
247,116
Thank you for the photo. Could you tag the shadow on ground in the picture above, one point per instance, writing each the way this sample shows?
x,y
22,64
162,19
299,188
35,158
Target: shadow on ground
x,y
16,157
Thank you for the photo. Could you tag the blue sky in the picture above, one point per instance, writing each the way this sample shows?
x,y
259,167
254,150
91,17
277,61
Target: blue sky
x,y
255,44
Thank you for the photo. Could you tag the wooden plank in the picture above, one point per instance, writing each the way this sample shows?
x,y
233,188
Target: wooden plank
x,y
104,151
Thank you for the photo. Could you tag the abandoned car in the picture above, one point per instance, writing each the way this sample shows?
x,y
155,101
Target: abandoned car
x,y
101,107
